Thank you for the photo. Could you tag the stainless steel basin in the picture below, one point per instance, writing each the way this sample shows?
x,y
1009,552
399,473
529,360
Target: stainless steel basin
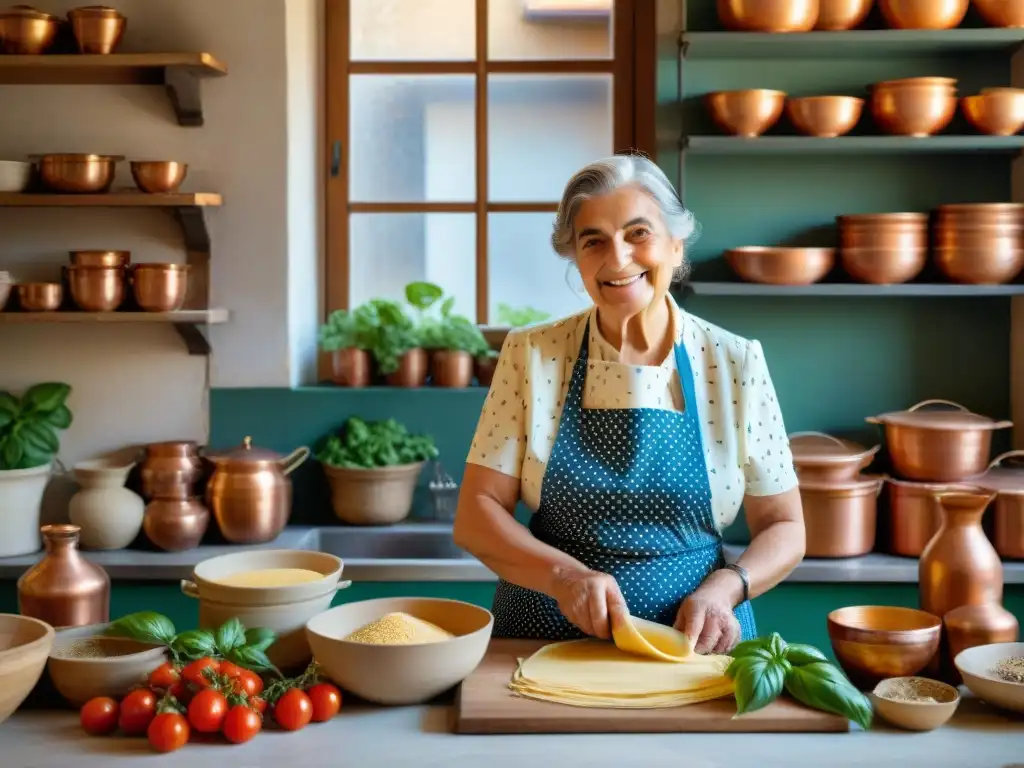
x,y
405,542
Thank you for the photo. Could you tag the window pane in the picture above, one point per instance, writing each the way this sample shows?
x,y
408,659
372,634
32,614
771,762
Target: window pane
x,y
390,250
549,29
413,30
412,138
542,129
523,271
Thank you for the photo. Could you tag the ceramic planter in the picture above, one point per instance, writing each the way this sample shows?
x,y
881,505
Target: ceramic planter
x,y
21,498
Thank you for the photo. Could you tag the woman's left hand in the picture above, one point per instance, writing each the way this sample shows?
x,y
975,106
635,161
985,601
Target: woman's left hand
x,y
707,618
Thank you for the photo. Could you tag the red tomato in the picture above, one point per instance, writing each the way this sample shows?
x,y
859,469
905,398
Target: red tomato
x,y
248,683
326,700
293,710
241,724
230,669
164,676
168,731
195,673
137,711
206,711
181,692
99,716
258,704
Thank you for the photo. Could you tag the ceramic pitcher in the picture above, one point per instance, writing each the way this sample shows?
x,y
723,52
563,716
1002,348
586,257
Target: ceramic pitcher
x,y
109,514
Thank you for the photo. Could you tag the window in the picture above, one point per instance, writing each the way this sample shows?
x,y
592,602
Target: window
x,y
453,126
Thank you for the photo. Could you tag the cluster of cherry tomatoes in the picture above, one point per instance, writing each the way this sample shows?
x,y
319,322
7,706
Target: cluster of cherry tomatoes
x,y
210,697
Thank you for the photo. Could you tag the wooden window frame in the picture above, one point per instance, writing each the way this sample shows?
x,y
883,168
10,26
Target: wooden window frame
x,y
632,67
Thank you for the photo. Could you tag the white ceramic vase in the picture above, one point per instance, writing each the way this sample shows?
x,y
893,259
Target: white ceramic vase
x,y
109,514
21,497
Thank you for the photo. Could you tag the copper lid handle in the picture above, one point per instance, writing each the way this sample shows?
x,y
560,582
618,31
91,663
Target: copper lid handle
x,y
936,401
812,433
1008,455
247,443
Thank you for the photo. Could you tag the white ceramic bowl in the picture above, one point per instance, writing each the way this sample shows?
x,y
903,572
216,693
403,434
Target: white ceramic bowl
x,y
400,674
15,175
24,646
976,666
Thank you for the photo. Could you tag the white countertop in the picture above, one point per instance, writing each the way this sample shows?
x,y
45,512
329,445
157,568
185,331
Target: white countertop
x,y
364,737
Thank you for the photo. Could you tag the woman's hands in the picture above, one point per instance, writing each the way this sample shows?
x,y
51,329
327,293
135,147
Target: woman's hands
x,y
590,600
707,617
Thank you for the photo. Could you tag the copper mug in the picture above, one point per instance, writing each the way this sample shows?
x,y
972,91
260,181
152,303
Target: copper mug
x,y
170,470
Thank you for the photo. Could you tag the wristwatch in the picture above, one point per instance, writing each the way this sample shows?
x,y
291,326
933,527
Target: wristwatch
x,y
740,571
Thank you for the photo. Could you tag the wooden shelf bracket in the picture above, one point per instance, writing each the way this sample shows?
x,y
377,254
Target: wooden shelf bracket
x,y
195,338
185,93
192,220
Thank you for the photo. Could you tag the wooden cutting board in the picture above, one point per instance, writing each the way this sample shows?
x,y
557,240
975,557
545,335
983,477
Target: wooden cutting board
x,y
485,705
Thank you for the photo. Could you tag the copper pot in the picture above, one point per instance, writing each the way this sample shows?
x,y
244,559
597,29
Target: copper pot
x,y
822,458
972,625
350,367
824,116
781,266
1000,13
97,29
768,15
995,111
884,248
840,518
924,14
170,469
1008,510
160,287
960,566
451,368
78,174
412,369
914,514
158,176
839,15
747,113
97,289
484,368
175,525
913,109
938,445
100,258
40,297
64,589
249,492
27,31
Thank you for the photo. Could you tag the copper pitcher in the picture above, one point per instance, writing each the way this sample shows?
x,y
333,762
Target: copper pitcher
x,y
170,470
249,492
960,566
64,589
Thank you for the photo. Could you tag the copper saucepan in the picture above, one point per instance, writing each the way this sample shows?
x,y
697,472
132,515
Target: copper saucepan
x,y
939,446
821,458
840,519
1008,510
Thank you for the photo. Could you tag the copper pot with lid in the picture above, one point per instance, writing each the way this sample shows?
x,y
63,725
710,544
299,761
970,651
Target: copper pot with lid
x,y
942,446
250,493
821,458
840,518
1008,510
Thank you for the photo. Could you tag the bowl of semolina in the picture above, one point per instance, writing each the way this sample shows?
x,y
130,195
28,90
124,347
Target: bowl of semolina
x,y
400,650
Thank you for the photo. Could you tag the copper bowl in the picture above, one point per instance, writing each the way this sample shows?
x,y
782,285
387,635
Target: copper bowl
x,y
883,248
100,258
838,15
97,29
873,642
28,31
913,109
747,113
160,287
78,174
996,262
158,176
40,297
97,289
781,266
768,15
1000,13
924,14
995,111
883,267
824,116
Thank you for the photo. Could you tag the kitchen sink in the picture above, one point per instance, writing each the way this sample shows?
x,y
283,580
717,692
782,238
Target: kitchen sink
x,y
407,542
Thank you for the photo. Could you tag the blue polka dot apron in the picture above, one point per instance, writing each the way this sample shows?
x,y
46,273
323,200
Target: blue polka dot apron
x,y
625,492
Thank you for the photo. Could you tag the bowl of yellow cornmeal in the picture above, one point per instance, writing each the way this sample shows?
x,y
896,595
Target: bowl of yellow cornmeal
x,y
400,650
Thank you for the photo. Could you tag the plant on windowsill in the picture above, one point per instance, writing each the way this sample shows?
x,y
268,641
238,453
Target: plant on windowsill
x,y
455,342
393,339
345,336
28,450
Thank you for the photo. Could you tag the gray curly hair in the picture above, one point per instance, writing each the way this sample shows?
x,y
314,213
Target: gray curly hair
x,y
610,174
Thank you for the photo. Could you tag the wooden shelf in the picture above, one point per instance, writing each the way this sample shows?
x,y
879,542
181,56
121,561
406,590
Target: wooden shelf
x,y
918,290
115,199
180,73
186,322
798,145
853,44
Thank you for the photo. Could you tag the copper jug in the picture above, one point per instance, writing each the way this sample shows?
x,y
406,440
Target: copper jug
x,y
175,525
972,625
170,470
959,566
249,492
64,589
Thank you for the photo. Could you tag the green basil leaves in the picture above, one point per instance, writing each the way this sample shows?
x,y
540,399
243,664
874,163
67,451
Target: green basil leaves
x,y
146,627
764,667
368,444
29,425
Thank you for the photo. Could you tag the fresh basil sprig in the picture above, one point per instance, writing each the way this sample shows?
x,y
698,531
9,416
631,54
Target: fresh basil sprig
x,y
763,668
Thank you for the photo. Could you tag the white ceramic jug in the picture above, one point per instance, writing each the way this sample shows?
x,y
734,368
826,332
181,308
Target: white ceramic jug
x,y
109,514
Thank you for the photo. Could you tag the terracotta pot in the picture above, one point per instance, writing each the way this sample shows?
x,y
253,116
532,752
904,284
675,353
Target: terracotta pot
x,y
412,370
350,367
960,566
484,368
378,496
915,515
64,589
822,458
973,625
840,518
451,368
175,525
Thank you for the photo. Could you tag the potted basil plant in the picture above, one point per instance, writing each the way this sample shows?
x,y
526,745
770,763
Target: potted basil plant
x,y
455,341
345,337
394,343
29,443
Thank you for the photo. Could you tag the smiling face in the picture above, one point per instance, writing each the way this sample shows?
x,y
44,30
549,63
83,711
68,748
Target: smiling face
x,y
624,251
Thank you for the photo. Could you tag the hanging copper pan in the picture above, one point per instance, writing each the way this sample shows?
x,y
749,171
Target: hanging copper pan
x,y
821,458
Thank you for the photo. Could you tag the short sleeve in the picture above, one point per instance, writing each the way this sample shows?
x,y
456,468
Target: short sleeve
x,y
500,439
769,462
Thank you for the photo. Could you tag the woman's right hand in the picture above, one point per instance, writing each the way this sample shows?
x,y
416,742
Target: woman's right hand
x,y
590,600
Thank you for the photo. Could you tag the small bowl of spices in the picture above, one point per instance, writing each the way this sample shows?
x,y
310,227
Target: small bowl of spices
x,y
84,663
915,703
995,673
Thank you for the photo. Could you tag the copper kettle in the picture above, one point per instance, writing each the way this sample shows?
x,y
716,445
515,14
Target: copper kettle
x,y
249,492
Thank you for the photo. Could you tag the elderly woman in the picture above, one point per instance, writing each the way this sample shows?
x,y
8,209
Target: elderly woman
x,y
634,431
